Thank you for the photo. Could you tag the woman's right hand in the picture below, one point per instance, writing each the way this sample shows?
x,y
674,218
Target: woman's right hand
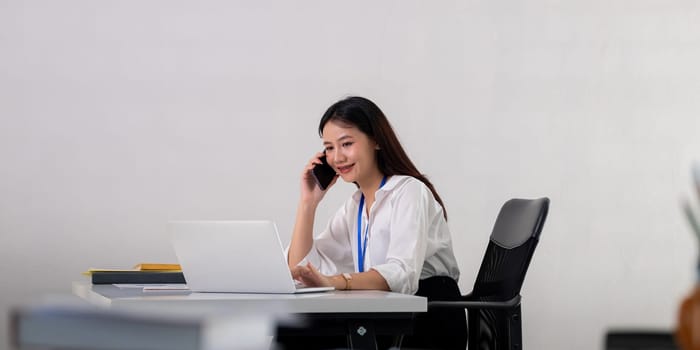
x,y
310,192
309,276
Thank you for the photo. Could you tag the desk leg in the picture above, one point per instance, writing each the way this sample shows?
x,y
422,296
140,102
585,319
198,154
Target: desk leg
x,y
361,335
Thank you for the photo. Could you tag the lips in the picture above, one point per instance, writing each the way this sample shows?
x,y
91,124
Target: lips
x,y
345,169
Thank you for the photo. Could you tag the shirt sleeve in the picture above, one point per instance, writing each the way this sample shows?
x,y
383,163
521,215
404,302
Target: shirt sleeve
x,y
331,251
407,245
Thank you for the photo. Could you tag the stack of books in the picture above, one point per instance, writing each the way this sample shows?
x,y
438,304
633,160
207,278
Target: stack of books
x,y
144,273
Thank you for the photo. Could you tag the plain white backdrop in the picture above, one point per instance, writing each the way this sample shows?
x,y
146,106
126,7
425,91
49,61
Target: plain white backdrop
x,y
117,116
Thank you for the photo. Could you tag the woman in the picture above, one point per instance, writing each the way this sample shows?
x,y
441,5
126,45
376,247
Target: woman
x,y
391,235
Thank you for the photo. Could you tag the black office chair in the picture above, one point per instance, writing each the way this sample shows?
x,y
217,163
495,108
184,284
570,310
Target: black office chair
x,y
494,304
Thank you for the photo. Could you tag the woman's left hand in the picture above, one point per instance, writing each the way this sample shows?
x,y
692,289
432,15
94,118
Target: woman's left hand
x,y
310,276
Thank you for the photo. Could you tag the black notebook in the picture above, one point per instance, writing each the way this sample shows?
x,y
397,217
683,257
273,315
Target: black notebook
x,y
137,277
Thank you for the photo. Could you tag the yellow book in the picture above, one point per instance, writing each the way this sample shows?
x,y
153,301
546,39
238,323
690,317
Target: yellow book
x,y
92,269
157,266
140,267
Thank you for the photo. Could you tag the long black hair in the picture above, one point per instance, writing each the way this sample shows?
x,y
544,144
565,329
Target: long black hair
x,y
369,119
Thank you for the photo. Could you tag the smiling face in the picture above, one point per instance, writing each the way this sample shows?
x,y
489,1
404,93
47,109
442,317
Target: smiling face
x,y
351,153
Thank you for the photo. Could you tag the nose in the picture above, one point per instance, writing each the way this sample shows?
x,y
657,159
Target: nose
x,y
336,157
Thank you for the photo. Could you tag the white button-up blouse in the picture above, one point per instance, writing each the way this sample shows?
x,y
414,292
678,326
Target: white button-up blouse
x,y
408,237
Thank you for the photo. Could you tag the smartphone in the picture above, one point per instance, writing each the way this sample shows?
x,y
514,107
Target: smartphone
x,y
323,174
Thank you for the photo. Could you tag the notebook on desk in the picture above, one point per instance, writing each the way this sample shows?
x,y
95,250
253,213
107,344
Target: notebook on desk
x,y
233,257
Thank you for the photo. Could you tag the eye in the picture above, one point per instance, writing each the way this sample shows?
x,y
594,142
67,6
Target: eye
x,y
328,148
347,144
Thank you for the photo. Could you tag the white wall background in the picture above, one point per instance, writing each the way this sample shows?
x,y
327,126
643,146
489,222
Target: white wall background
x,y
118,116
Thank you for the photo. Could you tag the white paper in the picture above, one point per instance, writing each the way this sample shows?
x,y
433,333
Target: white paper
x,y
151,286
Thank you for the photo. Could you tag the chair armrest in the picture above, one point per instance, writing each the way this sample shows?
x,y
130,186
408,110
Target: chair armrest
x,y
476,304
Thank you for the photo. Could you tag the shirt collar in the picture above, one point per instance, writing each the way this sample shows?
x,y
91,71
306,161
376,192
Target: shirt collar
x,y
388,186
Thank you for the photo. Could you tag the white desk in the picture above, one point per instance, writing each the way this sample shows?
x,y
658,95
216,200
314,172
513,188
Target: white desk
x,y
360,315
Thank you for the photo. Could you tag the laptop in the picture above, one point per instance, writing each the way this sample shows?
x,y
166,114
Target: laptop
x,y
233,257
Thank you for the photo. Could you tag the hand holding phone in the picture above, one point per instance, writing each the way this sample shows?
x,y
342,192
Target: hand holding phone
x,y
323,174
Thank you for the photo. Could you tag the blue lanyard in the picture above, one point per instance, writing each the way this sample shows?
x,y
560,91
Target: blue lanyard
x,y
362,246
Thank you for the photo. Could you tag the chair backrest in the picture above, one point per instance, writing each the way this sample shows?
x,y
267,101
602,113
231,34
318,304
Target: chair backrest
x,y
511,246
